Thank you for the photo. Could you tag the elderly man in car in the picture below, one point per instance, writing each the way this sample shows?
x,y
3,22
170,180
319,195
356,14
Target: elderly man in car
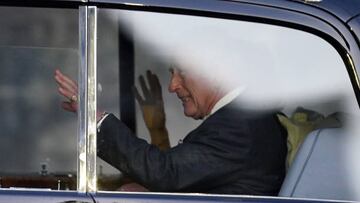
x,y
235,150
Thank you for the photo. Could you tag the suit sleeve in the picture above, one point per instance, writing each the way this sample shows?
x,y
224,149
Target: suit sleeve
x,y
190,166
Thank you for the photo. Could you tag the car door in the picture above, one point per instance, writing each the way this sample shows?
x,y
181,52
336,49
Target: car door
x,y
287,55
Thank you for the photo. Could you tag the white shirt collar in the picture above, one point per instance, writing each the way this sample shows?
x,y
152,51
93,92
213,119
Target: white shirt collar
x,y
229,97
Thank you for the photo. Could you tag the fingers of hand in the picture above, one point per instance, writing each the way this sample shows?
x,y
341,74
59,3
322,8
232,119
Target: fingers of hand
x,y
69,106
144,88
154,83
150,78
66,80
68,94
67,87
138,96
157,87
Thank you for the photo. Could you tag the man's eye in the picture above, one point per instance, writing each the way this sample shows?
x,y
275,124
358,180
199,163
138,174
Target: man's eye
x,y
177,71
183,73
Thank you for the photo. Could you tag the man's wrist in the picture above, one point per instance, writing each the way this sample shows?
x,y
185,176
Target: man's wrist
x,y
100,115
100,118
158,129
158,133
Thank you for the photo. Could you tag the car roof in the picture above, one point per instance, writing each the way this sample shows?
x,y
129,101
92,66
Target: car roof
x,y
342,9
345,10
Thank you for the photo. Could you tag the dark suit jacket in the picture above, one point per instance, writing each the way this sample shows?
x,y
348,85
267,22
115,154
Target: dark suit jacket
x,y
234,151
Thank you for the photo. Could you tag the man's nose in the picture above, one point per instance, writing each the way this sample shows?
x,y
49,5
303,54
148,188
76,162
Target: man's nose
x,y
175,83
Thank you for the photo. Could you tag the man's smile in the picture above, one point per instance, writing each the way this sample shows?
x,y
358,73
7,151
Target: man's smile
x,y
184,98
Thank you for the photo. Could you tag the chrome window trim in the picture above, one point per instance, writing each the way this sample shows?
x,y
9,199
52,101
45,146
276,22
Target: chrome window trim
x,y
91,103
86,169
82,110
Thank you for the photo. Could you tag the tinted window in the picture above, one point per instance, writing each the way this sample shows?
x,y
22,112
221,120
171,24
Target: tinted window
x,y
38,140
298,74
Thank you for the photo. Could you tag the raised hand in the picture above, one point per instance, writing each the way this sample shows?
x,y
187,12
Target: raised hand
x,y
152,106
69,89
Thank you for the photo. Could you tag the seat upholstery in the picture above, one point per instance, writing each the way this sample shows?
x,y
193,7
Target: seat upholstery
x,y
320,169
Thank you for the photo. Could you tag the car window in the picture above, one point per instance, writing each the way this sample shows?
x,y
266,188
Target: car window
x,y
268,68
38,139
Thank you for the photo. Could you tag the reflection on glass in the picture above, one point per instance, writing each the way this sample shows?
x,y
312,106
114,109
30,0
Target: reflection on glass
x,y
214,63
38,140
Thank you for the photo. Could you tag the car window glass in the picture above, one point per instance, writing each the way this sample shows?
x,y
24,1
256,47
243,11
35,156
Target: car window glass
x,y
270,67
38,139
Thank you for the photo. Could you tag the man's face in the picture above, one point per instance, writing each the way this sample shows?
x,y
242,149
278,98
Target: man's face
x,y
196,96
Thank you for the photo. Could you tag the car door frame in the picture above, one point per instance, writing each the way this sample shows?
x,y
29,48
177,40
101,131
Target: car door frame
x,y
291,14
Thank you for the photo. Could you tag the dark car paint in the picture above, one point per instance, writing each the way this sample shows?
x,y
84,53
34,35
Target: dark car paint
x,y
177,198
337,21
354,24
343,9
38,196
42,196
